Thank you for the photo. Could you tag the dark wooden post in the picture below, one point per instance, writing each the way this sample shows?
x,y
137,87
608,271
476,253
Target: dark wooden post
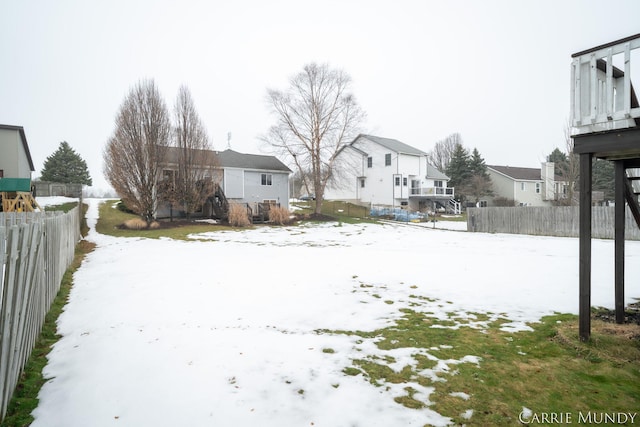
x,y
585,247
620,184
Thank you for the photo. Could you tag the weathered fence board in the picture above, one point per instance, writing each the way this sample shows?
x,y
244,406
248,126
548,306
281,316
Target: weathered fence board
x,y
35,251
548,221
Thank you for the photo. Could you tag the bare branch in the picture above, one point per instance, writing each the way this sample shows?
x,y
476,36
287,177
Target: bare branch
x,y
137,148
315,117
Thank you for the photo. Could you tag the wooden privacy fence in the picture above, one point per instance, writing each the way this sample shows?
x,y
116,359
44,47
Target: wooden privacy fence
x,y
35,249
548,221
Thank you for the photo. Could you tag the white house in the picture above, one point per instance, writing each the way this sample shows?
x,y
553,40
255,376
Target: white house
x,y
383,171
526,186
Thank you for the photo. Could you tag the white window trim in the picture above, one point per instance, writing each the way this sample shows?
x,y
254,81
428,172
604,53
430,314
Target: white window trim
x,y
266,179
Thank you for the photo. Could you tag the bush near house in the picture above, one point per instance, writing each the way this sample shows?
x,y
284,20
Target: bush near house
x,y
279,215
140,224
238,215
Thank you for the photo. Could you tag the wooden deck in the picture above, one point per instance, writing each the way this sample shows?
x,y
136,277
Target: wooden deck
x,y
606,125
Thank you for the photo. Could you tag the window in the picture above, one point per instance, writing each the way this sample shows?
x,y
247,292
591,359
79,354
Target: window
x,y
266,179
404,182
169,178
1,173
538,187
522,186
361,182
369,162
483,203
387,159
437,184
397,181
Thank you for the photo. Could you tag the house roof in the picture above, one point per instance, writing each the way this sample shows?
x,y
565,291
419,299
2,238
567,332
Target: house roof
x,y
233,159
392,144
434,173
527,174
398,147
521,174
25,145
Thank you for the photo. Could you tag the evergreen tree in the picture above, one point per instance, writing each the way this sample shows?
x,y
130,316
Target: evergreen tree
x,y
560,161
557,156
477,165
65,166
479,184
603,178
458,169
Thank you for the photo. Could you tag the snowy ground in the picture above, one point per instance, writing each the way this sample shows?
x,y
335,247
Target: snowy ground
x,y
221,331
56,200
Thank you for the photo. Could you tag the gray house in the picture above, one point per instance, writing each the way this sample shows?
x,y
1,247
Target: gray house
x,y
249,179
253,178
526,186
15,158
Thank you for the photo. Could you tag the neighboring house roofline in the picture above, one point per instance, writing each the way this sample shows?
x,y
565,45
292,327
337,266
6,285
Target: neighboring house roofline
x,y
25,145
434,173
391,144
357,150
400,148
521,174
233,159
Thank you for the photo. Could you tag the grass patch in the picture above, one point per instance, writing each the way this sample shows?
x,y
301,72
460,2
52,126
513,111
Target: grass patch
x,y
546,370
342,212
110,220
25,397
456,218
66,207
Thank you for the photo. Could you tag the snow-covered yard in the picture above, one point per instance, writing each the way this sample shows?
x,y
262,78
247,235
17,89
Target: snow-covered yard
x,y
222,330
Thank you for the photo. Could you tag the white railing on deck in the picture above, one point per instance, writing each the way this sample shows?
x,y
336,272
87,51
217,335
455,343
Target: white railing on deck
x,y
601,92
432,191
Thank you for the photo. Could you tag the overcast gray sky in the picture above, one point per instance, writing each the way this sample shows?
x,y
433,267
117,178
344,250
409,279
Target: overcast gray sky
x,y
495,71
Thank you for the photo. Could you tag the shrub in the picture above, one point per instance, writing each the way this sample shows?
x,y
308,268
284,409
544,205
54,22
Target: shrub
x,y
124,208
238,216
135,224
504,202
140,224
279,215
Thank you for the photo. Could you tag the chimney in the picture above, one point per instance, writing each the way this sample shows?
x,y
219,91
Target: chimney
x,y
547,174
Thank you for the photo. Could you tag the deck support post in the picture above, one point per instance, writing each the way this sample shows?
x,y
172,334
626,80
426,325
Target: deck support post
x,y
620,208
585,246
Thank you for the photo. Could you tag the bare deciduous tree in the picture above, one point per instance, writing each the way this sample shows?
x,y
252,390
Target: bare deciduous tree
x,y
571,169
478,186
315,116
443,150
136,149
194,157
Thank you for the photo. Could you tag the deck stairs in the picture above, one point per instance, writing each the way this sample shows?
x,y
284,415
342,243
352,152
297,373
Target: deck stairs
x,y
454,206
632,190
219,203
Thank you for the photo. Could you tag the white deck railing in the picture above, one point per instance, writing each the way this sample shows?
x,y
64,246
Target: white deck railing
x,y
601,93
432,191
